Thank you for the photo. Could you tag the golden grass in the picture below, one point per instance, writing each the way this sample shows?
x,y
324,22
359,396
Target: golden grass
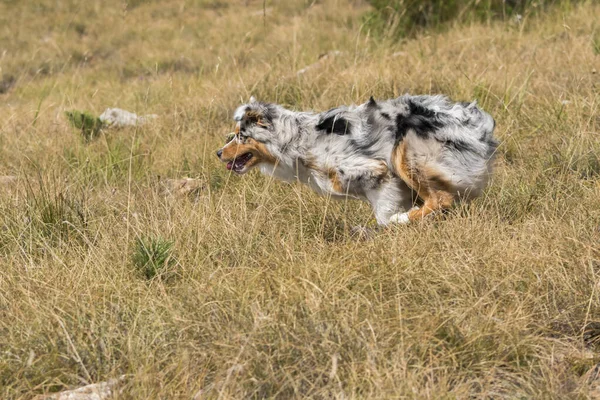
x,y
270,295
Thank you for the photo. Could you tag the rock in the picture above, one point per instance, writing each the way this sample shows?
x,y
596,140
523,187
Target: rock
x,y
181,187
95,391
118,118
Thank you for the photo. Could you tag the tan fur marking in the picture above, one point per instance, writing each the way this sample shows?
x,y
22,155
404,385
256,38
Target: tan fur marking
x,y
310,164
406,171
264,152
335,181
436,201
435,191
255,117
435,181
331,174
259,151
381,171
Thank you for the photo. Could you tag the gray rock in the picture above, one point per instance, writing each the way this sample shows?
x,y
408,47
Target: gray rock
x,y
95,391
181,187
118,118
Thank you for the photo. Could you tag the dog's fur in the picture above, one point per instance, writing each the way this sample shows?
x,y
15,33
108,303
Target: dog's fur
x,y
380,151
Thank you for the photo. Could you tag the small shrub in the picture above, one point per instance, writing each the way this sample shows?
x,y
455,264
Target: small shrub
x,y
55,212
153,257
80,28
584,163
88,124
401,18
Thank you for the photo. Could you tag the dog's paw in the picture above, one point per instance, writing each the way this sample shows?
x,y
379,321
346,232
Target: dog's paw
x,y
400,218
362,232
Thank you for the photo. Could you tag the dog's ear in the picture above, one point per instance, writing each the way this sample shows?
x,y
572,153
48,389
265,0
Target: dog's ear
x,y
252,99
334,121
334,124
254,116
372,103
255,113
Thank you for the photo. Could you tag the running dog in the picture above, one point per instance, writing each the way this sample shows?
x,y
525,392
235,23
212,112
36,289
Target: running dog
x,y
382,152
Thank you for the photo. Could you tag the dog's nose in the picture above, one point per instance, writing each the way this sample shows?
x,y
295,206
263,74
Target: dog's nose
x,y
219,153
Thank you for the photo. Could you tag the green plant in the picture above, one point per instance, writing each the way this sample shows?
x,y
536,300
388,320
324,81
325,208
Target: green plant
x,y
88,124
596,43
153,257
401,18
55,212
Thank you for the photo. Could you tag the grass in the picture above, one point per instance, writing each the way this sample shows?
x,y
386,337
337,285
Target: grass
x,y
153,257
87,124
272,296
401,18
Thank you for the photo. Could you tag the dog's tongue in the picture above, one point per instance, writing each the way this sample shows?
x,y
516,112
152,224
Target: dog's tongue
x,y
230,165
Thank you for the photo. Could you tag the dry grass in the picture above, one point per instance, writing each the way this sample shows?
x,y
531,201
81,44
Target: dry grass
x,y
269,294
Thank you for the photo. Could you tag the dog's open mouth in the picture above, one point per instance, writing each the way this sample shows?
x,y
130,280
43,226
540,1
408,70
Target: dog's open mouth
x,y
239,163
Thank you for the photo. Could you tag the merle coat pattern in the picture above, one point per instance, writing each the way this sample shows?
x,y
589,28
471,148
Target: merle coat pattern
x,y
383,152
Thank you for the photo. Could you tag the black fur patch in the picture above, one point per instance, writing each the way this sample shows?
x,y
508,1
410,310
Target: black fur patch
x,y
270,112
420,119
372,103
364,147
458,145
264,114
493,125
334,124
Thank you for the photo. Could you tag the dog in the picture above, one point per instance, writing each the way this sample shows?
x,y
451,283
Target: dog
x,y
383,152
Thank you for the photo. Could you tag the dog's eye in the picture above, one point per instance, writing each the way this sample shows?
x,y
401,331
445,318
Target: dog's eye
x,y
229,137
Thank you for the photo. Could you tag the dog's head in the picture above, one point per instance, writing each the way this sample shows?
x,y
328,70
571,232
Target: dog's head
x,y
246,146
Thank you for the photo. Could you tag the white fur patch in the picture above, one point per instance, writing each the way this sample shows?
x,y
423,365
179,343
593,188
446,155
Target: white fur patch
x,y
239,112
400,218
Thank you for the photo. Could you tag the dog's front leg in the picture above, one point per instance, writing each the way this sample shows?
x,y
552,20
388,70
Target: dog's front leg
x,y
390,199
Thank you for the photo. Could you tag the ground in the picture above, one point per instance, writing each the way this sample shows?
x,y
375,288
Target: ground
x,y
265,291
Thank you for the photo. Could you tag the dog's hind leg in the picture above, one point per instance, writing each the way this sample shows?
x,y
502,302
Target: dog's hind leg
x,y
435,201
437,193
402,218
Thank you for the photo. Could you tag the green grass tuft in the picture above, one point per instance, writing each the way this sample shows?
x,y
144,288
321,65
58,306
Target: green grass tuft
x,y
153,257
596,43
88,125
55,213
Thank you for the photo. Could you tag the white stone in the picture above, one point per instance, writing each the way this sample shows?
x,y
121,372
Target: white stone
x,y
118,118
95,391
181,187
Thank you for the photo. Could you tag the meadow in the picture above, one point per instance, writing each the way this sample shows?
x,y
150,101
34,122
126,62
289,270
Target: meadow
x,y
250,288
